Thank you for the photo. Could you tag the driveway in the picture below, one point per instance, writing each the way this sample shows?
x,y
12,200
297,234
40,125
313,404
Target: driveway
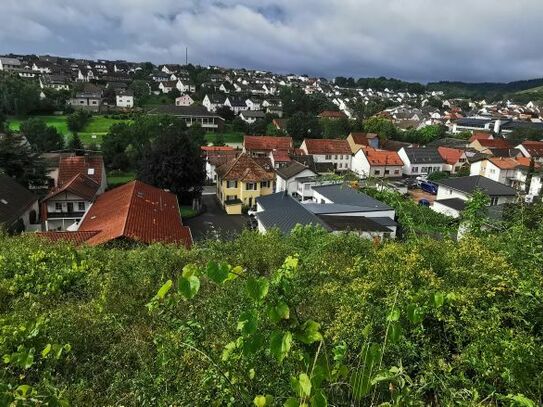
x,y
215,222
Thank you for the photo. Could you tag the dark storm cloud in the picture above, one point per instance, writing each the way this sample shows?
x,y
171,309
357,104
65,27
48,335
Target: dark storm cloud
x,y
421,40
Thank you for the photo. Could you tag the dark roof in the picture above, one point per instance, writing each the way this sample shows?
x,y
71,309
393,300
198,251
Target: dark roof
x,y
344,195
254,114
14,200
358,223
184,111
284,212
454,203
471,183
393,145
448,142
423,155
291,170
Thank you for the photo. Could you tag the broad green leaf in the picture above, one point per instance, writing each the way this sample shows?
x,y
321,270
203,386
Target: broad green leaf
x,y
280,344
309,332
291,262
24,390
6,358
217,272
305,384
439,299
257,288
394,332
394,315
414,313
190,270
521,400
260,401
46,350
253,343
164,289
319,399
279,312
235,273
189,286
291,402
227,351
248,322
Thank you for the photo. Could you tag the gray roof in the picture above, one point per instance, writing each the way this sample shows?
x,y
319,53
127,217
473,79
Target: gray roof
x,y
14,200
448,142
10,61
454,203
284,212
291,170
344,195
257,114
358,223
470,184
423,155
318,208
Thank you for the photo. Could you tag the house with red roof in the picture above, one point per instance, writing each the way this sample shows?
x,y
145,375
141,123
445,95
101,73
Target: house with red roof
x,y
134,212
243,179
371,162
332,114
334,151
215,156
532,149
69,165
510,171
453,158
487,145
262,146
357,140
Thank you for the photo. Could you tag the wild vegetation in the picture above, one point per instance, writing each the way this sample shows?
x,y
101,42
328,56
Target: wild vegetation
x,y
310,319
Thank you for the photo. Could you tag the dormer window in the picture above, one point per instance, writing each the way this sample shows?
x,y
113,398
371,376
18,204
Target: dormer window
x,y
90,171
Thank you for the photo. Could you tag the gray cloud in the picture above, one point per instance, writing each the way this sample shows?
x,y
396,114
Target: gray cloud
x,y
482,40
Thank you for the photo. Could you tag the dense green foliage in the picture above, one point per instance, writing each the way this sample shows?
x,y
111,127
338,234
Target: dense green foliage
x,y
342,322
18,96
380,83
42,138
78,120
489,90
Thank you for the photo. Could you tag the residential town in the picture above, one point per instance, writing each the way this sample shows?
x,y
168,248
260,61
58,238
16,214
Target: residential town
x,y
276,180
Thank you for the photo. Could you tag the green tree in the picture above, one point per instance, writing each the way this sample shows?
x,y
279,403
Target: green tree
x,y
43,138
17,160
197,132
18,96
335,128
75,143
78,120
141,91
383,127
303,125
219,140
173,161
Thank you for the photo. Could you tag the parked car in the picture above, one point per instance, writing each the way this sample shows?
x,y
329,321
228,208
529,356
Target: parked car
x,y
424,202
429,187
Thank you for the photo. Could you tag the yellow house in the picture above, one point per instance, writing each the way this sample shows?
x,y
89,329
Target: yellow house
x,y
241,180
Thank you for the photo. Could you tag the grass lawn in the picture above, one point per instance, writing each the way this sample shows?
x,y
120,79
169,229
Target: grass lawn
x,y
187,212
58,122
229,138
115,178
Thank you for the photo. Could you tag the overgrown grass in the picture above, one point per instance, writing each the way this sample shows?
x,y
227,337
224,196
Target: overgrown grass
x,y
187,212
116,178
234,137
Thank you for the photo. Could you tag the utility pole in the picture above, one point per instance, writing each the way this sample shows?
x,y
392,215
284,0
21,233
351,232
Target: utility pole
x,y
186,55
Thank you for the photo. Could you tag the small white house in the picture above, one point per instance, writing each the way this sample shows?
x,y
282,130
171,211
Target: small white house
x,y
124,98
184,100
371,162
421,160
337,152
289,177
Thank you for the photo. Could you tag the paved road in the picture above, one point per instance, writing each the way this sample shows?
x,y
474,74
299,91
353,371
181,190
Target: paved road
x,y
215,222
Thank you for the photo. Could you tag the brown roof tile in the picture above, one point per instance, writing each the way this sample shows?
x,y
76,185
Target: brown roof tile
x,y
246,168
327,146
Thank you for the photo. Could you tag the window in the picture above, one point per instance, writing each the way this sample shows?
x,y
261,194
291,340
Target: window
x,y
396,172
231,197
327,157
265,184
90,171
81,206
387,172
231,184
250,186
58,207
340,165
335,157
376,172
415,169
494,201
450,191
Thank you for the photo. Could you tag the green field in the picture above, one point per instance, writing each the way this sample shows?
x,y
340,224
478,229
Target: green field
x,y
229,138
93,132
116,178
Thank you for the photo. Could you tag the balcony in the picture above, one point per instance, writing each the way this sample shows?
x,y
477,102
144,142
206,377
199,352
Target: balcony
x,y
65,215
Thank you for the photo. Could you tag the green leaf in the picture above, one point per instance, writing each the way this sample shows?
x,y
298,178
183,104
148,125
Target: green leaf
x,y
252,374
235,273
279,312
257,288
164,289
280,344
361,379
414,313
319,399
227,351
305,384
438,299
253,343
394,332
394,315
189,286
291,402
309,332
521,400
46,350
260,401
248,322
217,272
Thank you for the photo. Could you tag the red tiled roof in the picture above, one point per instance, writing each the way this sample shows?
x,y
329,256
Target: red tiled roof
x,y
327,146
534,148
507,163
69,166
495,143
331,114
450,155
267,143
80,185
76,238
216,148
245,168
362,138
281,155
382,157
480,135
138,212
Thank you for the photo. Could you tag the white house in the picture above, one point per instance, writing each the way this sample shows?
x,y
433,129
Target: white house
x,y
18,206
337,152
213,101
251,116
371,162
532,149
421,160
9,64
124,98
253,104
235,103
453,193
288,178
184,100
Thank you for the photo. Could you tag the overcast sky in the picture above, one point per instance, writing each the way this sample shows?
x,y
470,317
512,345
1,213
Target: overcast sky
x,y
421,40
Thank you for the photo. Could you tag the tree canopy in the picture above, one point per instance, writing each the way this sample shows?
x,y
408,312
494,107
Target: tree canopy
x,y
42,138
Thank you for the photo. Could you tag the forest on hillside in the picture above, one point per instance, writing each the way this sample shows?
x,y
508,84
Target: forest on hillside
x,y
312,319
